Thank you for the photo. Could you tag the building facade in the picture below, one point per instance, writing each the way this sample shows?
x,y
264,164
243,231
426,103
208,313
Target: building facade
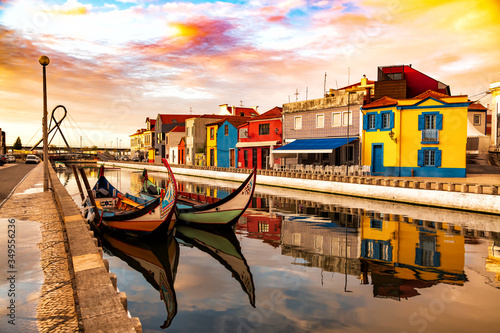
x,y
196,138
257,139
164,124
334,119
424,136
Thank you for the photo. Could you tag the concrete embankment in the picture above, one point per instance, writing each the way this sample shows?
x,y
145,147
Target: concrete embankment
x,y
101,307
457,194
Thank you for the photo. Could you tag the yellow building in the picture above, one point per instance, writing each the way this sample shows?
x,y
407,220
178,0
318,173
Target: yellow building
x,y
425,136
212,144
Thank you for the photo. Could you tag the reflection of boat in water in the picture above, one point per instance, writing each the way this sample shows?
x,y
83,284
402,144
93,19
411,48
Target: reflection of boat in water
x,y
156,259
221,243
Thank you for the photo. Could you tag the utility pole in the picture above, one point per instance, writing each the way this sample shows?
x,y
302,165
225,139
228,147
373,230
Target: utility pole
x,y
44,61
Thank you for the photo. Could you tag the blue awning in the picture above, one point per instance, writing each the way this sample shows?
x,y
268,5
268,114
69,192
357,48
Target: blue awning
x,y
305,146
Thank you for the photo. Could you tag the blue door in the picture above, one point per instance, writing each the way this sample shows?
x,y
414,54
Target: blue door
x,y
377,159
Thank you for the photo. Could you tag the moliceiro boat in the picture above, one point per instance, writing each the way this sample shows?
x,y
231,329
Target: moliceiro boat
x,y
223,211
111,209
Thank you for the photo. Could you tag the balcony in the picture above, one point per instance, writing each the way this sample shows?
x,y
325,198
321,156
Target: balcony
x,y
430,136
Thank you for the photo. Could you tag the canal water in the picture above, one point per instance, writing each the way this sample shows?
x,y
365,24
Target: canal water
x,y
309,262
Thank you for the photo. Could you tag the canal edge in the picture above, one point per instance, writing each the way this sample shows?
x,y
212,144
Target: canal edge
x,y
100,305
460,201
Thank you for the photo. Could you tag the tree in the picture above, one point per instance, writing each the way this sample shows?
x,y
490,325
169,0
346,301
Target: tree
x,y
18,145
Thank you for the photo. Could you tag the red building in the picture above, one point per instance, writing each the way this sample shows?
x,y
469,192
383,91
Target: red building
x,y
258,137
182,151
261,226
402,82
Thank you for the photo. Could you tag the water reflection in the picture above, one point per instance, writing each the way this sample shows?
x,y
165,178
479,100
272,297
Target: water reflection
x,y
156,259
374,264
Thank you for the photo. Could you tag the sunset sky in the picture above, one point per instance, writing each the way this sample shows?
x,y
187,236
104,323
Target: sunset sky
x,y
114,63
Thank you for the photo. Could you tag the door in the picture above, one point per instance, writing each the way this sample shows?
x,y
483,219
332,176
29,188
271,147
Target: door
x,y
264,158
212,157
254,157
231,158
377,159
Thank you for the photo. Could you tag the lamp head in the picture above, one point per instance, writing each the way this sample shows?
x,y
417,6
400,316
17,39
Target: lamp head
x,y
44,60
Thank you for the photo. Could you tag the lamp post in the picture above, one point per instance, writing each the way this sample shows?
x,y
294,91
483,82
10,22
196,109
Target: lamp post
x,y
44,61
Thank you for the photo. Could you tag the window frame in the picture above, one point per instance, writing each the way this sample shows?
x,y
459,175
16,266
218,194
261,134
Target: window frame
x,y
263,128
295,119
344,113
339,114
477,123
322,116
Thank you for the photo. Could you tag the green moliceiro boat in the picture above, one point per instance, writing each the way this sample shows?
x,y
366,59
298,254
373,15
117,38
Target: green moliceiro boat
x,y
225,211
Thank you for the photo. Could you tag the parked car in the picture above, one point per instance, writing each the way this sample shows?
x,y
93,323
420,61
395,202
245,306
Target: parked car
x,y
135,159
125,158
32,159
11,158
3,159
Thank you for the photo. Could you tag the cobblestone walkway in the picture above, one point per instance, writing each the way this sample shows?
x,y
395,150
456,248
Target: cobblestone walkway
x,y
56,310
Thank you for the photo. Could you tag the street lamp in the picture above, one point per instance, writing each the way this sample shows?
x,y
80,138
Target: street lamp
x,y
44,61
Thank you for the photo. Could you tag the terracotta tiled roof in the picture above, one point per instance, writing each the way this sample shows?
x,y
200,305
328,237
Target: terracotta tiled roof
x,y
139,131
230,118
477,106
179,129
247,112
430,93
384,101
273,113
175,118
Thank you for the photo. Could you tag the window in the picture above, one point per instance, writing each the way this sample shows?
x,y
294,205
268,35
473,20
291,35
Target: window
x,y
386,120
188,130
429,157
297,123
336,119
320,120
371,122
226,130
347,115
263,129
243,133
211,133
430,123
477,119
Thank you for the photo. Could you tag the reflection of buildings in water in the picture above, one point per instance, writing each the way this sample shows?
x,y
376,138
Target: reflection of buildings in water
x,y
493,261
322,243
404,256
261,225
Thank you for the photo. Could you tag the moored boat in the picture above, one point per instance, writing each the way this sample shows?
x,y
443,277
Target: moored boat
x,y
223,211
111,209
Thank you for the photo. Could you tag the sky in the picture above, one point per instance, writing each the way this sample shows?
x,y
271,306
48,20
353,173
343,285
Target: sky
x,y
114,63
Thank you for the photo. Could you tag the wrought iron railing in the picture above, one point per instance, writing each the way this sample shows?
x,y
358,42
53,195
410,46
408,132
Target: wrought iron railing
x,y
430,135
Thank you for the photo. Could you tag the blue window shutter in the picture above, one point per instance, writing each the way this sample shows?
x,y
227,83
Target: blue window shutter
x,y
439,121
378,121
436,259
363,248
418,256
392,120
365,122
421,122
437,158
376,250
420,157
